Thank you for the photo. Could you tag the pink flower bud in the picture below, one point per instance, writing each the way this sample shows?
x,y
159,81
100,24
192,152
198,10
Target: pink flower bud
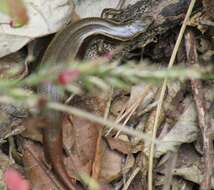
x,y
15,181
68,76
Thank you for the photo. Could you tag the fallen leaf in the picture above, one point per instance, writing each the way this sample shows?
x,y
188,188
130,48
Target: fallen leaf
x,y
36,171
33,126
184,131
111,168
191,173
100,149
94,7
50,16
119,145
86,134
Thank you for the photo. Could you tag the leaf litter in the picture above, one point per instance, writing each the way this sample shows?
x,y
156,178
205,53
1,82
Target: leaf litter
x,y
115,159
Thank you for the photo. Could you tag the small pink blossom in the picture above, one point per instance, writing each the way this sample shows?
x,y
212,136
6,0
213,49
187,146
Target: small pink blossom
x,y
68,76
15,181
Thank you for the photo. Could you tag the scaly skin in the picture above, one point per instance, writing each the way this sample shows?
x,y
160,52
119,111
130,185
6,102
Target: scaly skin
x,y
64,47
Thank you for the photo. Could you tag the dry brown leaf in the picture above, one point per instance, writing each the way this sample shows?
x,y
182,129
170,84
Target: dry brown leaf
x,y
142,93
111,167
118,103
74,165
119,145
39,175
33,129
100,149
184,131
177,183
50,16
188,164
191,173
86,134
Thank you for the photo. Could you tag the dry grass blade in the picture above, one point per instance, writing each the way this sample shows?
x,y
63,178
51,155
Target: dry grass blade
x,y
128,110
129,116
134,173
133,108
163,90
99,120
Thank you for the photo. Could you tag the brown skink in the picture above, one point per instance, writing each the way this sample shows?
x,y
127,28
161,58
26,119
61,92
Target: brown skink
x,y
65,47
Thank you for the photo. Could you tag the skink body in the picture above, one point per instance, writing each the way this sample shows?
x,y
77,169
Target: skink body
x,y
63,48
67,43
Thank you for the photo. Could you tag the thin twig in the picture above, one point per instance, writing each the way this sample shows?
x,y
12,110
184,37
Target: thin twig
x,y
130,112
128,117
134,173
163,90
203,116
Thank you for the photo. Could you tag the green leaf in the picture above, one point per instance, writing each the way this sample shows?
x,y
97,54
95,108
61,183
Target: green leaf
x,y
4,6
2,188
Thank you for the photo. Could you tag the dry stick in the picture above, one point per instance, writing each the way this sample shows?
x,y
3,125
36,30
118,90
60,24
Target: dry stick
x,y
131,178
203,116
148,108
128,117
119,118
163,90
130,112
127,112
86,115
